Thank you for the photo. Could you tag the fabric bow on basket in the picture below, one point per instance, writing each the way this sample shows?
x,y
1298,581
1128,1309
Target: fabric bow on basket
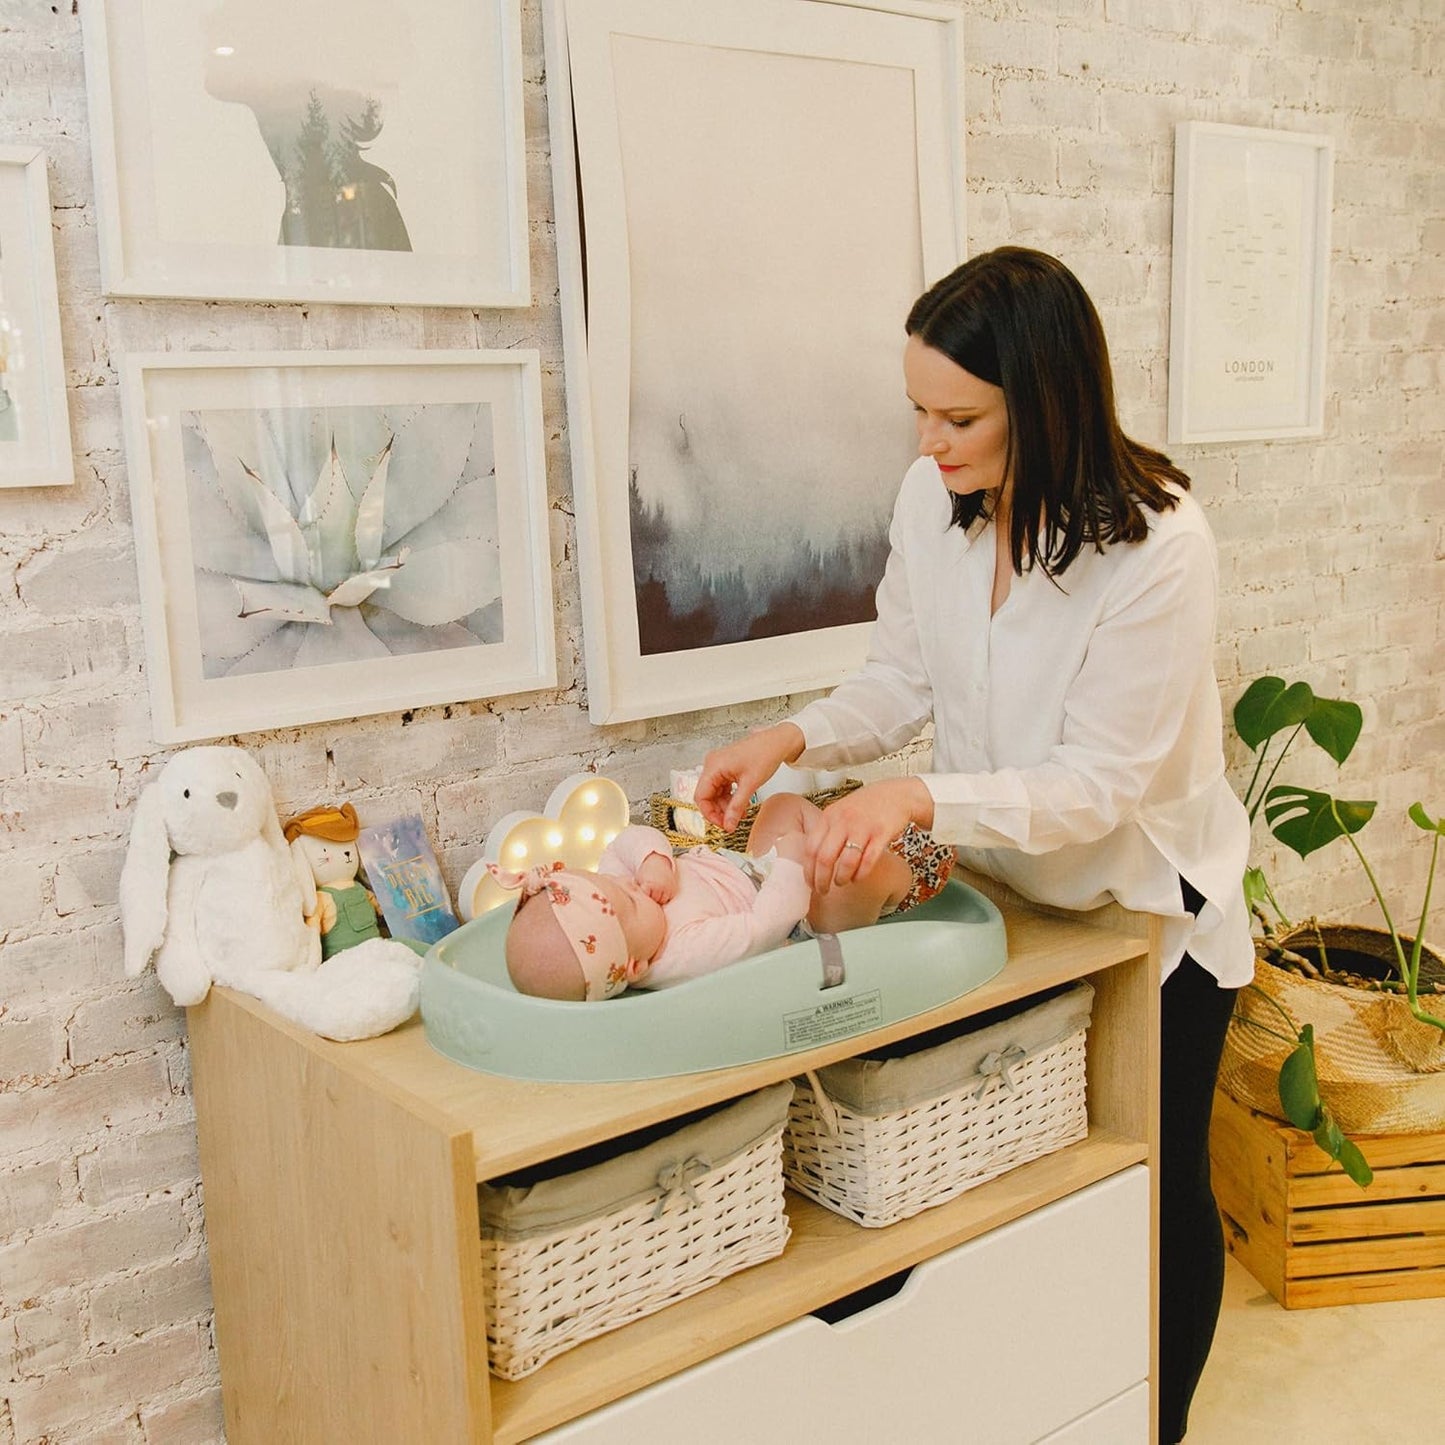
x,y
996,1065
679,1180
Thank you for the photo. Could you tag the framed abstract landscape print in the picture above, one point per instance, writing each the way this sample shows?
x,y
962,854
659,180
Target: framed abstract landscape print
x,y
765,187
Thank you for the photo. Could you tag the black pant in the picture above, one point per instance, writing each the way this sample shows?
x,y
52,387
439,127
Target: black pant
x,y
1194,1014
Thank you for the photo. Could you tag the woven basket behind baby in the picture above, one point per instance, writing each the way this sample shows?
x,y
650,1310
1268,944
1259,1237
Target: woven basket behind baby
x,y
661,807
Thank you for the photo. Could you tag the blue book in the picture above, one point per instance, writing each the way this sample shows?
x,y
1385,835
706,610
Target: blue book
x,y
407,880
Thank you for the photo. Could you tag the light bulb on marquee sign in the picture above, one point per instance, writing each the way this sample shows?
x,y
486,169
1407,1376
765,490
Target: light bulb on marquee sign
x,y
583,815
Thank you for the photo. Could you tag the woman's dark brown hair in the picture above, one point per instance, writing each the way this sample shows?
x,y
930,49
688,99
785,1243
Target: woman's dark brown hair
x,y
1020,320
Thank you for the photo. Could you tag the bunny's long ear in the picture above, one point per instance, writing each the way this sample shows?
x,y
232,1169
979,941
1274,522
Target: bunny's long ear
x,y
282,851
143,881
305,878
270,823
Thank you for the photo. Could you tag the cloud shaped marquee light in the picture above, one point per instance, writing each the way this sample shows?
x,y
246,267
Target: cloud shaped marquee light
x,y
583,815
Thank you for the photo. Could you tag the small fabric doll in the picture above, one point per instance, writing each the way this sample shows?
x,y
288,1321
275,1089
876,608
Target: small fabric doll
x,y
346,911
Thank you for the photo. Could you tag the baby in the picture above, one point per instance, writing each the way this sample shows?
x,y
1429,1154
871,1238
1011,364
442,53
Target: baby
x,y
648,919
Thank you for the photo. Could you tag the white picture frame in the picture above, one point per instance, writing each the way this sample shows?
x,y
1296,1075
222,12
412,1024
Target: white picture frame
x,y
295,150
34,414
323,535
1250,285
750,308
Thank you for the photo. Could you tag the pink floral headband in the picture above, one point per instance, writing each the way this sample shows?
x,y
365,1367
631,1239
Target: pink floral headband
x,y
588,921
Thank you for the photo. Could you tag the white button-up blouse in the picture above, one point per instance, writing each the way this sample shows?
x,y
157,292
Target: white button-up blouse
x,y
1078,737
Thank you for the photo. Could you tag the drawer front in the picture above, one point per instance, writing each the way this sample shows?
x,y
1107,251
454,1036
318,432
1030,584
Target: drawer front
x,y
1123,1419
1004,1339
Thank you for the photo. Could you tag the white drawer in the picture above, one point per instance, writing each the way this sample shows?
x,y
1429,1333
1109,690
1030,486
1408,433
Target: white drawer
x,y
1002,1340
1125,1417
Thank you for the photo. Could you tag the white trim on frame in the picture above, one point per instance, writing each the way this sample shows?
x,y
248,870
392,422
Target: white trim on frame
x,y
159,233
34,415
1250,289
477,529
598,309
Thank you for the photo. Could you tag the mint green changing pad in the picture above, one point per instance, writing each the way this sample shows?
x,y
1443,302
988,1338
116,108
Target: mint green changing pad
x,y
764,1007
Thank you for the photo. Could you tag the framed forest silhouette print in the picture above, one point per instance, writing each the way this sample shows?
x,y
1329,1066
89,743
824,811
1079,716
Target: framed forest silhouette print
x,y
299,150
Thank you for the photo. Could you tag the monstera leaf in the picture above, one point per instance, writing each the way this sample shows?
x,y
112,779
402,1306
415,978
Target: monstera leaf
x,y
1299,1093
1421,819
1305,820
1299,1088
1268,707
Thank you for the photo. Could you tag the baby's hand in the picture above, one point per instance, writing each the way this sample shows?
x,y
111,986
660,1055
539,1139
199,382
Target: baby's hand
x,y
657,877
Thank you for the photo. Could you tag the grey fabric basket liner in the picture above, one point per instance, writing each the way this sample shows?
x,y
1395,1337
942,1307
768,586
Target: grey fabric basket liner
x,y
883,1086
553,1205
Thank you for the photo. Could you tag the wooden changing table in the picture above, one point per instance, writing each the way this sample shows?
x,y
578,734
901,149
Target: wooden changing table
x,y
341,1204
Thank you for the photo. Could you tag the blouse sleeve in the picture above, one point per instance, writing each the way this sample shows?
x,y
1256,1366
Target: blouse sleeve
x,y
886,703
1136,692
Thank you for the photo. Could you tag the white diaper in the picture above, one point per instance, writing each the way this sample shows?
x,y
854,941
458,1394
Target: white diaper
x,y
757,867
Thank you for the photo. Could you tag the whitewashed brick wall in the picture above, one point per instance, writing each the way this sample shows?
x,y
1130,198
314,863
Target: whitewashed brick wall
x,y
1332,554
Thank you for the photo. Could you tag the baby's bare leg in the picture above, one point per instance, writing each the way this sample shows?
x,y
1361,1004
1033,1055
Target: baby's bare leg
x,y
782,813
854,905
864,900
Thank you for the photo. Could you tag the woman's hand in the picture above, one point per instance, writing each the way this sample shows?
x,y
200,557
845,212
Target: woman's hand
x,y
859,827
732,773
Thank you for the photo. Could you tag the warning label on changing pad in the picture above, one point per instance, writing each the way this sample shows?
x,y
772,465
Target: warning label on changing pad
x,y
837,1019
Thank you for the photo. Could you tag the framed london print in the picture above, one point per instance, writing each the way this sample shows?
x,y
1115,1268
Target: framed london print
x,y
34,418
736,416
321,535
298,150
1251,283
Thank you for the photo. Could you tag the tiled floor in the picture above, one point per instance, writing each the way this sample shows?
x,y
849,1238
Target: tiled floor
x,y
1355,1374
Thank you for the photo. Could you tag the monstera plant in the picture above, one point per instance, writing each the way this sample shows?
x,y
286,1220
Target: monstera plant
x,y
1304,819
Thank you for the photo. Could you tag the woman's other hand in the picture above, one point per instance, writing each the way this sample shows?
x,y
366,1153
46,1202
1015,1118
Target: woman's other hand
x,y
733,772
859,827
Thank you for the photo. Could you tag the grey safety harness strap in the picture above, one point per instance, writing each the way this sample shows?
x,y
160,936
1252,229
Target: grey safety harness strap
x,y
831,952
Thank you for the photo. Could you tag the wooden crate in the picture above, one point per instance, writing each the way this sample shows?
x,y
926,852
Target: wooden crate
x,y
1312,1237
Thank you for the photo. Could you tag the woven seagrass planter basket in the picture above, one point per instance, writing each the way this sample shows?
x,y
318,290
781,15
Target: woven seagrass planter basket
x,y
1380,1070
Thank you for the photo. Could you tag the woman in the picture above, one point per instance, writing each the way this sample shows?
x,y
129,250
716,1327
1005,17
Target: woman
x,y
1049,606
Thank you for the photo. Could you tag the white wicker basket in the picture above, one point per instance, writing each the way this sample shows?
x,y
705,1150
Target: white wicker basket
x,y
877,1155
548,1289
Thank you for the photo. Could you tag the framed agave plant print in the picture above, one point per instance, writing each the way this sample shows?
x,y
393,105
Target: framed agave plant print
x,y
323,535
301,150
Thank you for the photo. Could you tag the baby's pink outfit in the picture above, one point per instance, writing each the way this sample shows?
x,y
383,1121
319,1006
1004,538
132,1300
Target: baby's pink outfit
x,y
719,915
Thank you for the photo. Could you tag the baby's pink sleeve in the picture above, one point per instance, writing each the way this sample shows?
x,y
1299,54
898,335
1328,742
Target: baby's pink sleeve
x,y
709,944
627,852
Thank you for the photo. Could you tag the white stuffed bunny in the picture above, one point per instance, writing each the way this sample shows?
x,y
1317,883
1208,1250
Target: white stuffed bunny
x,y
211,890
